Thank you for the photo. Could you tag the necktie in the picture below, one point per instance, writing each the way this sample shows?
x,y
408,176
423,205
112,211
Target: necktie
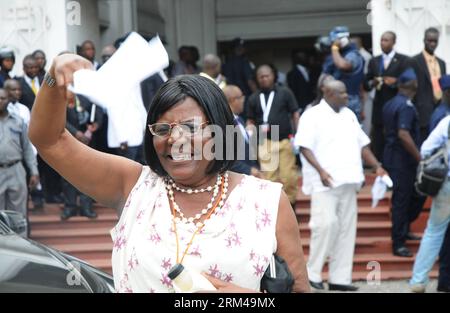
x,y
33,86
386,62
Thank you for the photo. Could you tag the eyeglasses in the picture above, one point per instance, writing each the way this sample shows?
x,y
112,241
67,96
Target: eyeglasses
x,y
188,129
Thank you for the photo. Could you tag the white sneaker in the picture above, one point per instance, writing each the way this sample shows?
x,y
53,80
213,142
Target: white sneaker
x,y
418,288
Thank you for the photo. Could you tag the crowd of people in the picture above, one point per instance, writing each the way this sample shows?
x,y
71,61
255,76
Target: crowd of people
x,y
317,118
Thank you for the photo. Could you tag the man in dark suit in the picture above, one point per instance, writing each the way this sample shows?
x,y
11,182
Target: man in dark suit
x,y
300,81
29,81
429,69
51,180
248,165
382,74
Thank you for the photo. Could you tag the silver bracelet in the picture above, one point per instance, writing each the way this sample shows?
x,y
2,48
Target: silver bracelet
x,y
49,80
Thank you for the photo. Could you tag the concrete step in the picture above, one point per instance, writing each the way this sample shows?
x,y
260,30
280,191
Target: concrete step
x,y
85,251
74,236
376,245
386,261
364,229
52,221
365,214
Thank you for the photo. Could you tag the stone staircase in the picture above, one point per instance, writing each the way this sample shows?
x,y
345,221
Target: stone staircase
x,y
90,240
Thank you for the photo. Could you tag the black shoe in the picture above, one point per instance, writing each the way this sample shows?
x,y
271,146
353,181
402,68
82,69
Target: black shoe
x,y
68,212
88,212
403,252
337,287
318,286
38,204
54,199
411,236
442,288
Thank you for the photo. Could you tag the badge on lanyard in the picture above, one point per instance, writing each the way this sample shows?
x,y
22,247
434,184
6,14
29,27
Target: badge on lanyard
x,y
266,106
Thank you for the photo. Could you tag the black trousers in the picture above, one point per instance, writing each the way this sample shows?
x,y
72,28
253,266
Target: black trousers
x,y
50,179
377,141
444,260
406,203
71,194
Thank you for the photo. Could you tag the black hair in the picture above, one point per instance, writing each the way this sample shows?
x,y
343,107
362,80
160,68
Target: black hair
x,y
37,52
211,100
394,35
28,57
431,30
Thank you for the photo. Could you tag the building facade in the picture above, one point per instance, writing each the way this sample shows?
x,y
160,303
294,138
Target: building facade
x,y
59,25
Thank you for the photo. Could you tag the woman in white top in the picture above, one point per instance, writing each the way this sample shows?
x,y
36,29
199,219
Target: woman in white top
x,y
186,207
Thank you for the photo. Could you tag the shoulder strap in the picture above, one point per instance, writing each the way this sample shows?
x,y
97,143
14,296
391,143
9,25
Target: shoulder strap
x,y
448,136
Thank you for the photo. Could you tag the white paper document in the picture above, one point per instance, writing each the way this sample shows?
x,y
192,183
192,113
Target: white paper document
x,y
379,188
116,86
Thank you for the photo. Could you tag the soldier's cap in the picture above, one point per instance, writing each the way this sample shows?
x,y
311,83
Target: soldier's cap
x,y
407,76
444,82
339,32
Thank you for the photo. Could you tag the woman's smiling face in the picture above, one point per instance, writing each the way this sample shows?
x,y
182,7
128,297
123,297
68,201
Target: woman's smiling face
x,y
182,156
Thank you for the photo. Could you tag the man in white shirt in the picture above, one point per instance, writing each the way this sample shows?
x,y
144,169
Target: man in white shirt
x,y
14,90
333,146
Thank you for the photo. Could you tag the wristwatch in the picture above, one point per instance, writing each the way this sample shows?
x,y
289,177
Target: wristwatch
x,y
49,80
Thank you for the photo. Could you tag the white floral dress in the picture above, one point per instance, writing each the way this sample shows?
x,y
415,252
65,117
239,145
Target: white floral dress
x,y
235,245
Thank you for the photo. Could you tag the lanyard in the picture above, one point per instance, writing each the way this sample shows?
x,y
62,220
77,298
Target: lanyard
x,y
266,106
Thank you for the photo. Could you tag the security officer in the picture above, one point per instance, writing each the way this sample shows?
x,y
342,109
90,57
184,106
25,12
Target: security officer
x,y
346,64
14,146
401,157
7,60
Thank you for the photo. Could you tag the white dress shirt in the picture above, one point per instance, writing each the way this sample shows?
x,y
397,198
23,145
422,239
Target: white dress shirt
x,y
336,139
30,82
437,138
304,72
20,110
387,58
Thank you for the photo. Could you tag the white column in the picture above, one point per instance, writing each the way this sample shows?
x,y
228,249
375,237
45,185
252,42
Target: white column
x,y
190,23
29,25
409,19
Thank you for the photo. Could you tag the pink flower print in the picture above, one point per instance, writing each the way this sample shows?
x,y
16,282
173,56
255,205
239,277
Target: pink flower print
x,y
266,259
233,240
154,236
214,271
240,206
228,278
165,280
152,290
259,270
140,215
119,243
122,228
263,186
252,255
166,264
196,251
258,227
130,264
266,218
132,261
123,285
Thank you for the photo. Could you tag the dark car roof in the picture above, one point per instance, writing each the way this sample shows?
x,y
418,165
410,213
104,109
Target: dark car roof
x,y
27,266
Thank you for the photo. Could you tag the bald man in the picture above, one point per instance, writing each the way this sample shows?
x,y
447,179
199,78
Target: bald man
x,y
332,146
274,111
249,164
107,52
212,68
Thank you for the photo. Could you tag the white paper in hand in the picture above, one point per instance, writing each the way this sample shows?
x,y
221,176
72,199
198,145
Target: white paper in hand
x,y
116,87
379,189
135,60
